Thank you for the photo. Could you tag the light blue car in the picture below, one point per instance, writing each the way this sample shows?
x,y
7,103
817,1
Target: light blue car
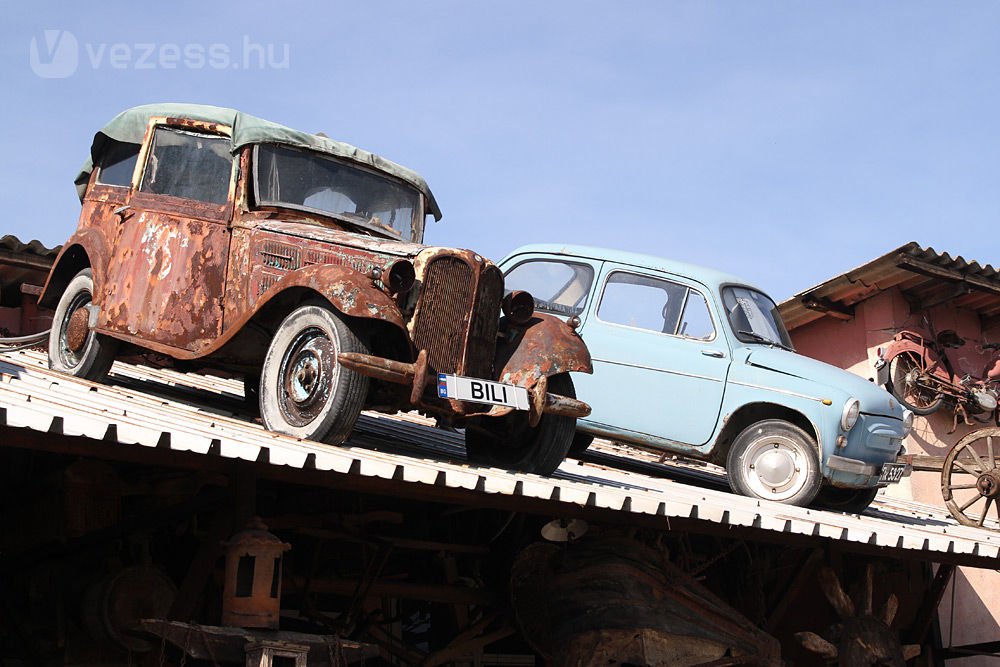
x,y
695,362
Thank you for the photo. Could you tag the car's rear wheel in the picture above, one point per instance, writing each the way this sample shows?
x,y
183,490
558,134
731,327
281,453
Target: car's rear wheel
x,y
852,501
75,348
509,442
304,391
775,460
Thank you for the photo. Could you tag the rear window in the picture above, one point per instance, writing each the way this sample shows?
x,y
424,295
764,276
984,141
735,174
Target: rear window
x,y
118,164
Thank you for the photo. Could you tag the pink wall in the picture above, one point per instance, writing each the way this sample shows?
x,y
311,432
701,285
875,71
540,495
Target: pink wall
x,y
853,345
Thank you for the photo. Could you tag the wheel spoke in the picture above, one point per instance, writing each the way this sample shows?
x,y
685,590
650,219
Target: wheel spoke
x,y
989,448
955,487
965,469
969,504
979,462
982,517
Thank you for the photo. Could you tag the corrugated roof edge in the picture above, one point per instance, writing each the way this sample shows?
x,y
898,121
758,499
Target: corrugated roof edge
x,y
33,398
33,247
889,260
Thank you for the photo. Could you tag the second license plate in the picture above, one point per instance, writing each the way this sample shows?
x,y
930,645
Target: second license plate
x,y
892,473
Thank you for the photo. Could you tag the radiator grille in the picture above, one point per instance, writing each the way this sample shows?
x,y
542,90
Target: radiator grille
x,y
485,320
445,305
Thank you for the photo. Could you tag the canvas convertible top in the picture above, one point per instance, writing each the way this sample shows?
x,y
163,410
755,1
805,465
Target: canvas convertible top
x,y
130,127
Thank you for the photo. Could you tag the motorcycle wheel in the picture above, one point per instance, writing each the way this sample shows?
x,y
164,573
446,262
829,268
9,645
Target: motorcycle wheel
x,y
904,384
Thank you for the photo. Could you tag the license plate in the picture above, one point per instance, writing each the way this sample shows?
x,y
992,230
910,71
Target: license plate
x,y
482,391
892,473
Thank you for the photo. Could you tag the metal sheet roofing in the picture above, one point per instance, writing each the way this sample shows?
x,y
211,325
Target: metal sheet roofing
x,y
925,276
24,262
148,409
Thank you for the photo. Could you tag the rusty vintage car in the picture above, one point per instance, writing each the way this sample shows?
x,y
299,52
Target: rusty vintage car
x,y
213,240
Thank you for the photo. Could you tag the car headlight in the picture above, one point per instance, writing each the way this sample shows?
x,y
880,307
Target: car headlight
x,y
907,422
852,409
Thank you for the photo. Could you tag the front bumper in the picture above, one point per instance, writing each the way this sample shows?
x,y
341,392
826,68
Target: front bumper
x,y
415,375
867,471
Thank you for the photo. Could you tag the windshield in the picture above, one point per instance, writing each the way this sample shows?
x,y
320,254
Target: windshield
x,y
308,181
753,317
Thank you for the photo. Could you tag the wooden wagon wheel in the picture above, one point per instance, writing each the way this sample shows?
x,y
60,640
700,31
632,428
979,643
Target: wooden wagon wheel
x,y
971,466
863,637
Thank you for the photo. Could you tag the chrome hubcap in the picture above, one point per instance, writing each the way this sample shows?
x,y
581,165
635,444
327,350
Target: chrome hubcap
x,y
774,468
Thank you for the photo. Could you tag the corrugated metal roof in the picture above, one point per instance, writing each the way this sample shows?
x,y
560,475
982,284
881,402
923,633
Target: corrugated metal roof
x,y
23,263
925,276
15,245
174,411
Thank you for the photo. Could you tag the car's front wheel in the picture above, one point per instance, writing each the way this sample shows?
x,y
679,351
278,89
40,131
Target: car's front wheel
x,y
509,442
775,460
75,348
304,391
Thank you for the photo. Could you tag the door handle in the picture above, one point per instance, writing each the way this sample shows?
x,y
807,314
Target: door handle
x,y
123,213
718,354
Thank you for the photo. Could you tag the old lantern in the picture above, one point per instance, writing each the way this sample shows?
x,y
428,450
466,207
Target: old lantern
x,y
251,596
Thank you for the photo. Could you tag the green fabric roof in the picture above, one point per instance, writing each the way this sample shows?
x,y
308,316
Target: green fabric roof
x,y
130,127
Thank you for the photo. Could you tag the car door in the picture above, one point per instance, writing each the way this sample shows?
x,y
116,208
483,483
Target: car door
x,y
167,275
660,362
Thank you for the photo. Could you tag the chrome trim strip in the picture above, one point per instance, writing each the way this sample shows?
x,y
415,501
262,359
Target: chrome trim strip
x,y
779,391
659,370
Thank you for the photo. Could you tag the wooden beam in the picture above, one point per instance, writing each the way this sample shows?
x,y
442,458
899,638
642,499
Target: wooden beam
x,y
934,271
397,542
395,589
932,598
188,598
828,307
225,644
806,573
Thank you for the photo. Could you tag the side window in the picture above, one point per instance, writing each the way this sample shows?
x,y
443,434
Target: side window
x,y
642,302
697,320
188,164
558,287
117,164
656,305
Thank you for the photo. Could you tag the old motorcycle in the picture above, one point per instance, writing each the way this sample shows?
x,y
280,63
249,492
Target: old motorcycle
x,y
916,369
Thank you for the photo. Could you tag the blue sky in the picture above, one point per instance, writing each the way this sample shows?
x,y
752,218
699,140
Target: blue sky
x,y
786,142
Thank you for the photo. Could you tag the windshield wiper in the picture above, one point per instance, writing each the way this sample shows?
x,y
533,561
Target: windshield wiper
x,y
369,224
763,339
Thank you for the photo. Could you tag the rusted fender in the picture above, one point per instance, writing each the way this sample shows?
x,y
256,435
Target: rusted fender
x,y
544,347
348,291
94,243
